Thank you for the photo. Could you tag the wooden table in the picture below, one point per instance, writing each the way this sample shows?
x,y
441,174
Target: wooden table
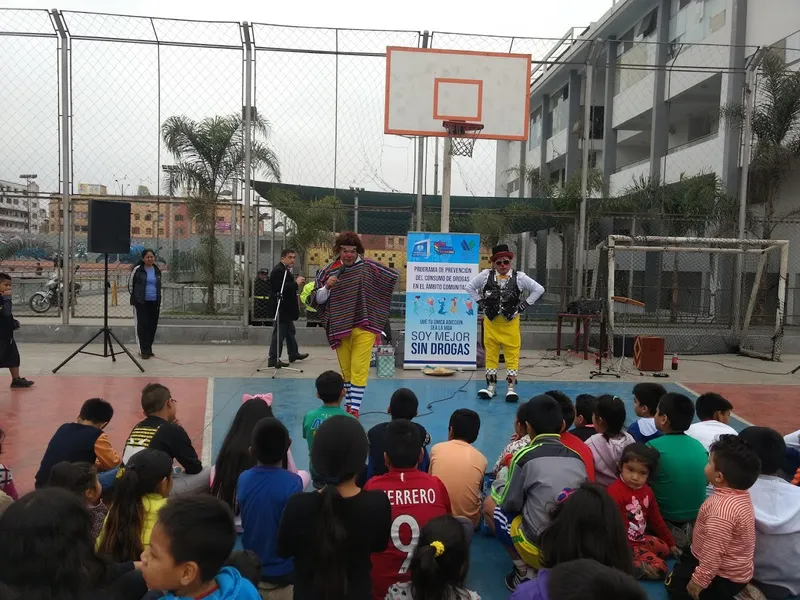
x,y
586,320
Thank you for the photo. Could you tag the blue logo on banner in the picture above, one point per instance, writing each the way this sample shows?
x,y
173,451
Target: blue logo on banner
x,y
466,246
421,249
442,248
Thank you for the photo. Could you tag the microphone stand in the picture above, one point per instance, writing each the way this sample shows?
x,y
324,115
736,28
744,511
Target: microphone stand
x,y
276,325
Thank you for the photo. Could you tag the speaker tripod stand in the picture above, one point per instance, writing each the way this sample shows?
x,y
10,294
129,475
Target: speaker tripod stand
x,y
105,331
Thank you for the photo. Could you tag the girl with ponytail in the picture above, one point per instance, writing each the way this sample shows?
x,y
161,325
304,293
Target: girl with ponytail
x,y
331,534
439,566
139,494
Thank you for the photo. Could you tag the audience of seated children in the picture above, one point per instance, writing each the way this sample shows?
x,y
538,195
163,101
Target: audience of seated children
x,y
611,438
235,455
439,564
160,430
680,482
139,494
581,579
83,441
331,534
584,413
247,563
7,485
645,403
47,553
570,440
191,541
585,523
519,439
80,478
415,496
720,562
776,503
330,389
519,507
262,493
639,511
460,465
403,405
714,413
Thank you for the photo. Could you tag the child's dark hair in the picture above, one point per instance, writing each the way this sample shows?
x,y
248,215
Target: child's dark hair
x,y
435,577
566,405
404,404
77,477
769,445
679,409
707,405
641,453
247,563
648,394
466,424
329,387
270,442
338,455
612,410
586,524
155,397
96,410
48,551
200,529
736,460
234,456
523,406
403,444
122,532
544,415
584,406
586,579
5,277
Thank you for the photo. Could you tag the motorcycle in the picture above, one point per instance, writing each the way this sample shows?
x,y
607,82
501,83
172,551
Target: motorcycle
x,y
43,300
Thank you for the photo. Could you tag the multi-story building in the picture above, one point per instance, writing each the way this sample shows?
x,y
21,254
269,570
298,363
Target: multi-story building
x,y
20,207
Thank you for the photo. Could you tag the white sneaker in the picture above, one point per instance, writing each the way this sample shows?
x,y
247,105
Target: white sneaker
x,y
489,392
511,394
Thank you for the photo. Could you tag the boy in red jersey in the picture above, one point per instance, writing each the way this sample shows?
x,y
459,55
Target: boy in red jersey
x,y
416,498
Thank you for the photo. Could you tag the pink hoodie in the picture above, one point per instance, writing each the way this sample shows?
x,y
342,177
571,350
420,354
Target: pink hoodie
x,y
606,453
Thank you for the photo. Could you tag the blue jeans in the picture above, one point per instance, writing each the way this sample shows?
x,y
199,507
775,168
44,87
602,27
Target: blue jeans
x,y
107,479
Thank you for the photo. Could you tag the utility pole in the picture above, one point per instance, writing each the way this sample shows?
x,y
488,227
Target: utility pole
x,y
356,190
28,177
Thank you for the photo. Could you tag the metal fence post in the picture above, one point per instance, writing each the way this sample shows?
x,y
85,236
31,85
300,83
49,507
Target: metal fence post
x,y
248,105
421,159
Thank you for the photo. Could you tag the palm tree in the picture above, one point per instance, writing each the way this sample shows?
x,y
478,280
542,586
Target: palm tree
x,y
314,224
210,157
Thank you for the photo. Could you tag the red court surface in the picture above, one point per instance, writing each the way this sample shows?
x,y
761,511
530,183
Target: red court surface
x,y
761,404
30,417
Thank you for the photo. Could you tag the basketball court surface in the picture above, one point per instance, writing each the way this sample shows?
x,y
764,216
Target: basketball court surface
x,y
208,382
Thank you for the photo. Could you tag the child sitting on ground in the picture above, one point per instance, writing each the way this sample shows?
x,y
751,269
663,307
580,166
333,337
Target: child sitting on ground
x,y
519,439
720,563
460,465
439,565
639,511
611,438
581,579
714,413
570,440
262,494
85,441
9,353
6,480
680,482
403,405
584,413
139,494
80,478
330,389
191,541
645,403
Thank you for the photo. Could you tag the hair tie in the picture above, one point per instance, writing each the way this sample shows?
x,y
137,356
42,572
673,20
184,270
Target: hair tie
x,y
438,547
565,493
332,480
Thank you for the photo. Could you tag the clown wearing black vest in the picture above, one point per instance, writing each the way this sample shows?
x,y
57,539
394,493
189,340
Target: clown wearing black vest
x,y
503,293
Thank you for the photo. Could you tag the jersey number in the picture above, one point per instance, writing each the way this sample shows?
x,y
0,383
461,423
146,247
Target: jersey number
x,y
407,549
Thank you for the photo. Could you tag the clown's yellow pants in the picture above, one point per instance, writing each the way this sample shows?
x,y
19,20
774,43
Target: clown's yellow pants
x,y
499,333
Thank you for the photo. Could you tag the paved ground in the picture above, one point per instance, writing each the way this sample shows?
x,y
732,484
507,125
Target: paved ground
x,y
208,382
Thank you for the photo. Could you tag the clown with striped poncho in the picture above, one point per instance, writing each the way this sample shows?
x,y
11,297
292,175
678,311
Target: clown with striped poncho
x,y
353,296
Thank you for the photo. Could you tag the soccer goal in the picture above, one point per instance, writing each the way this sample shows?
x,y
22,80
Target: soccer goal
x,y
702,295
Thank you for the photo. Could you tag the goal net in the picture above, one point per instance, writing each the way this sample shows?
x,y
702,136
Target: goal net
x,y
702,295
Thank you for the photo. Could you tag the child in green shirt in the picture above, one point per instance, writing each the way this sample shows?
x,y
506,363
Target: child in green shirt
x,y
330,389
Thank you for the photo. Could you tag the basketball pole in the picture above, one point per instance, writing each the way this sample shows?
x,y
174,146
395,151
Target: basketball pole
x,y
447,171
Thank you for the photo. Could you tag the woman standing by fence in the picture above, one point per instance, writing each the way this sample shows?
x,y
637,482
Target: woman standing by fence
x,y
144,286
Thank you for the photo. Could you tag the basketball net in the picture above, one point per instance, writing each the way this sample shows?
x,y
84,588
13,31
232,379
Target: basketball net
x,y
462,136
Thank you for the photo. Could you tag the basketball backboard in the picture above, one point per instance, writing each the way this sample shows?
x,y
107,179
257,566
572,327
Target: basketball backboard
x,y
426,86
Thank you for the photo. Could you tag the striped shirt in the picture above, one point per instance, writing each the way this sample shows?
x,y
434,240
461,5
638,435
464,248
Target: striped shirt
x,y
724,538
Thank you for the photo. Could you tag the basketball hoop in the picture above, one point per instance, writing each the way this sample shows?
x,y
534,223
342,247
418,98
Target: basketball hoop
x,y
462,136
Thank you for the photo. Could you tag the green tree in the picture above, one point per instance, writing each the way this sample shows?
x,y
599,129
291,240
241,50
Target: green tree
x,y
210,157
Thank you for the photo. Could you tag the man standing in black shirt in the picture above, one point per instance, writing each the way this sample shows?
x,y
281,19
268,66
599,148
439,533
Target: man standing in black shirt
x,y
161,431
281,278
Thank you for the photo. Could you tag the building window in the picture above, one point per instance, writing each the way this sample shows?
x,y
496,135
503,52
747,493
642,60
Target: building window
x,y
135,230
180,230
148,217
77,228
178,218
136,217
148,231
512,186
84,228
160,231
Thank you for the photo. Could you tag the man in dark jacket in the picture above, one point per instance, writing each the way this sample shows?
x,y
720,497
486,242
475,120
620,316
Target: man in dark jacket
x,y
281,278
261,289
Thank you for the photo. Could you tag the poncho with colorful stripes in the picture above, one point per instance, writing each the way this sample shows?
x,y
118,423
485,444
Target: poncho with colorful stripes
x,y
362,297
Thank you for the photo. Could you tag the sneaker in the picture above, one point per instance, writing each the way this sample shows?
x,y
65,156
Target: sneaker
x,y
276,364
21,382
514,579
351,410
511,395
489,392
298,357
